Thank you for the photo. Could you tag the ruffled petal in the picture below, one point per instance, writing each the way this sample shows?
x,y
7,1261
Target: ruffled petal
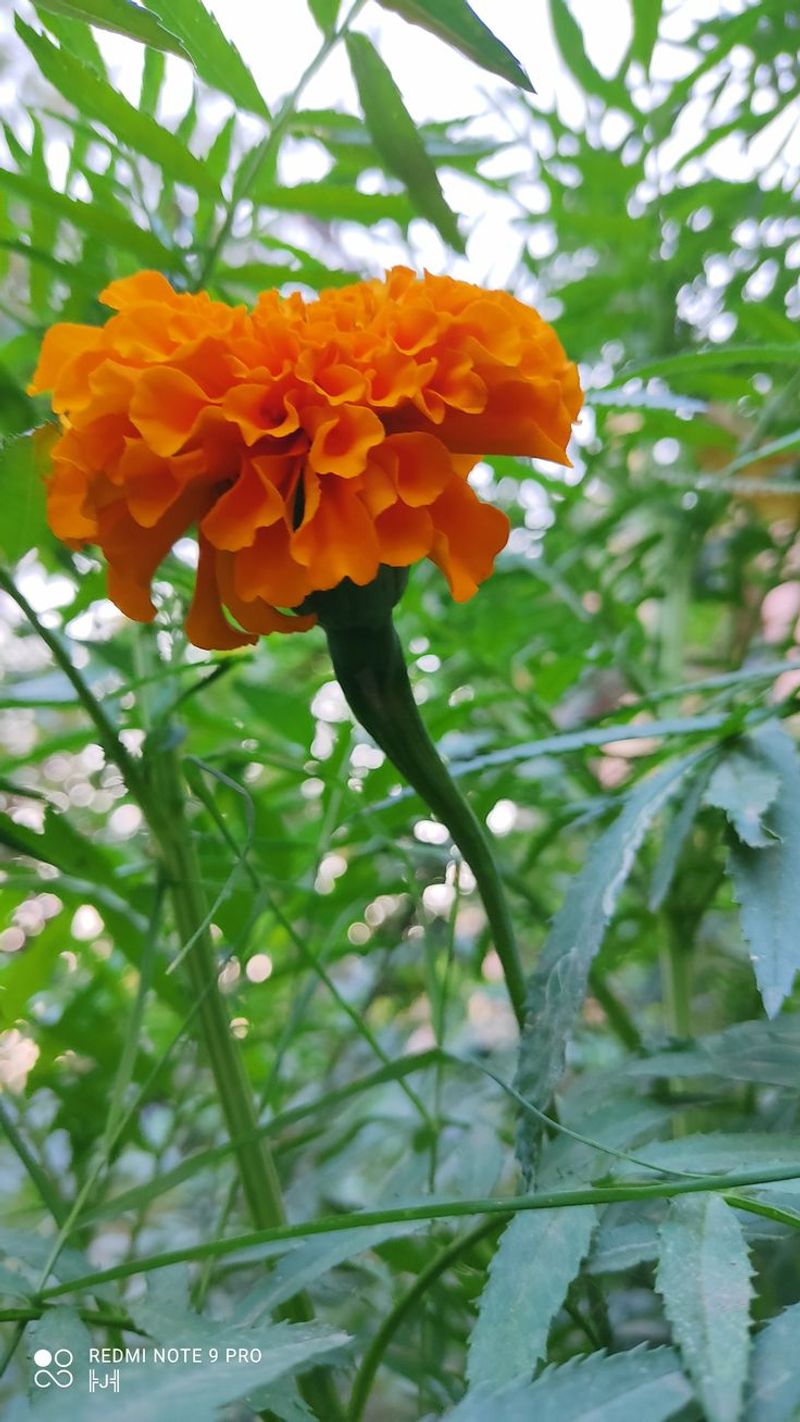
x,y
253,501
468,536
206,626
342,439
340,540
166,407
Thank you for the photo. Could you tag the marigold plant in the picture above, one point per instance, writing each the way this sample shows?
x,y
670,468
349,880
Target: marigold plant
x,y
308,441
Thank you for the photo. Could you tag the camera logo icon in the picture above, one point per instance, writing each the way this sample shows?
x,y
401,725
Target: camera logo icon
x,y
53,1369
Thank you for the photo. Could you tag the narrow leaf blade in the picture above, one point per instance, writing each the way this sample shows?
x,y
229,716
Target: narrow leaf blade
x,y
774,1388
646,1382
743,785
765,880
396,139
23,461
537,1258
215,58
704,1279
122,17
558,986
457,24
96,99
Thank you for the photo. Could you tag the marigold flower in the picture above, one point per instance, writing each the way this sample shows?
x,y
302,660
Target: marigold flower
x,y
307,442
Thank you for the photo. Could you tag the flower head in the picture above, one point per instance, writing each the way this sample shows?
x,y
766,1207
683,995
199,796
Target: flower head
x,y
307,442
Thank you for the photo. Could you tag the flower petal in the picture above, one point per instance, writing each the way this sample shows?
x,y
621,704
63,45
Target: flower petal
x,y
342,439
206,626
253,501
340,540
469,535
166,407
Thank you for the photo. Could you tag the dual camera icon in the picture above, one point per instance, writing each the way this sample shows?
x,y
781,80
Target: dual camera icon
x,y
53,1369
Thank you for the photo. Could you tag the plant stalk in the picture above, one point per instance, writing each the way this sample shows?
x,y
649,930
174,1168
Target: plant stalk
x,y
166,813
371,670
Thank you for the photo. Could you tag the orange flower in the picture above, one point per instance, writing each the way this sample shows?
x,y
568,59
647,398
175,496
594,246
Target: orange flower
x,y
308,443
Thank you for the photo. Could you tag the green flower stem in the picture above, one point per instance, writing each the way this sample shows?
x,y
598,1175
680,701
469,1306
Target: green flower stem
x,y
166,813
435,1267
371,670
506,1206
167,816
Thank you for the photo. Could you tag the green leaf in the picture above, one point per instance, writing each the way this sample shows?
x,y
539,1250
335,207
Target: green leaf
x,y
645,1382
457,24
91,218
646,20
765,880
774,1385
44,227
310,1261
72,34
334,203
153,71
395,137
558,985
620,1246
715,357
704,1278
569,39
218,156
675,838
160,1392
122,17
537,1258
766,1052
23,462
744,785
29,972
326,13
216,58
97,100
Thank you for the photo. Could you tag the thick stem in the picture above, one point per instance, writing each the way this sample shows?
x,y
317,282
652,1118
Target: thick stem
x,y
169,825
371,670
260,1184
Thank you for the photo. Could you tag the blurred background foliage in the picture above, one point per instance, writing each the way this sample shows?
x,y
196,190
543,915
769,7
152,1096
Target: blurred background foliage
x,y
618,702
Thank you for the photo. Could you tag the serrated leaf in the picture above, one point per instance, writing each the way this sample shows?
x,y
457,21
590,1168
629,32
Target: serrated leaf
x,y
645,1382
744,785
396,139
558,986
95,99
214,56
537,1258
765,880
773,1393
161,1393
704,1279
457,24
23,462
93,219
122,17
